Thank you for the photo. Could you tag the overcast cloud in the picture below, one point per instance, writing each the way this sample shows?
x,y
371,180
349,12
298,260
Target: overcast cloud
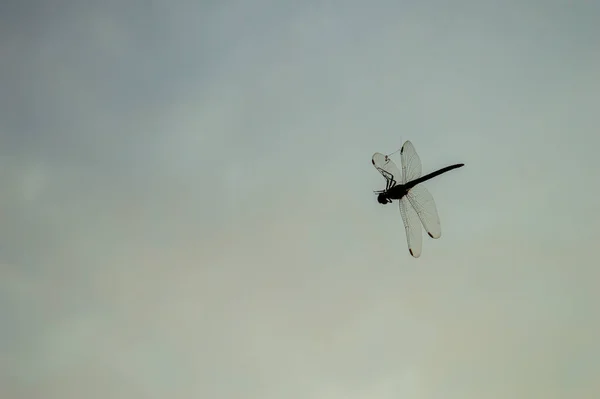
x,y
187,208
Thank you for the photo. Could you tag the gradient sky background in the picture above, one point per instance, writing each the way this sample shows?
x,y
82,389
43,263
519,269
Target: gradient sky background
x,y
186,205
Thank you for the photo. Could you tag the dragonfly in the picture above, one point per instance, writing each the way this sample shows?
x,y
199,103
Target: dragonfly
x,y
416,203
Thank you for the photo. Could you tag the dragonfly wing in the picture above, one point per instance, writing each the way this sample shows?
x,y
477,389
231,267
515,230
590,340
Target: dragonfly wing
x,y
412,225
386,167
422,201
411,163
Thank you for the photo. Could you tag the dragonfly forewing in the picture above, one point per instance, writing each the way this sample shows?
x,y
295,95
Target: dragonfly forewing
x,y
387,168
411,163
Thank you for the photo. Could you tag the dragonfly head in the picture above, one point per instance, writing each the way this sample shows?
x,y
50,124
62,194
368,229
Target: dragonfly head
x,y
382,199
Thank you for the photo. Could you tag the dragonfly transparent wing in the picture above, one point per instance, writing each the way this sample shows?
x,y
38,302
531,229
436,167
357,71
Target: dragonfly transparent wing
x,y
422,201
412,226
417,207
387,168
418,196
411,163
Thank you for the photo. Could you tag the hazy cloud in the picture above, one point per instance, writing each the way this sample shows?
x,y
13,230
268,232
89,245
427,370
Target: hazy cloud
x,y
186,203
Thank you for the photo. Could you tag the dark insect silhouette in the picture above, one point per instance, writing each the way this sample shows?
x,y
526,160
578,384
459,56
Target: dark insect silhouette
x,y
416,203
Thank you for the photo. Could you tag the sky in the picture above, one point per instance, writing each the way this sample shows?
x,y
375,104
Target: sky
x,y
187,207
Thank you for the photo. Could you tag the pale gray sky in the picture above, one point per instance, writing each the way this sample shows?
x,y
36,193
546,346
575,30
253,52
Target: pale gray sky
x,y
186,205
